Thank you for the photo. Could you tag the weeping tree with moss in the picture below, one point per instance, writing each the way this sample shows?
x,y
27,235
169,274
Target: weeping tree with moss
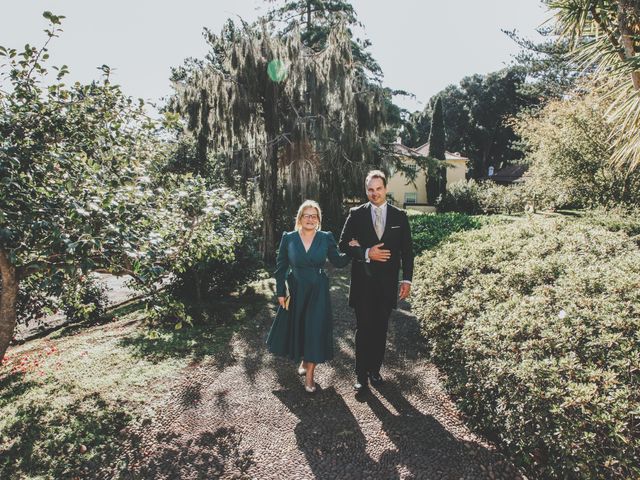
x,y
290,121
316,19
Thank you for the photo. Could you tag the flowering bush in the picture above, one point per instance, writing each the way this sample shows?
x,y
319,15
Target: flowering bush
x,y
536,324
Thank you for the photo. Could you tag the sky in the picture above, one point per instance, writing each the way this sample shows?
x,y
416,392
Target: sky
x,y
421,45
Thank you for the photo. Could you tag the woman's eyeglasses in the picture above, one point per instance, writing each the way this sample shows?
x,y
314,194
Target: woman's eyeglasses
x,y
310,216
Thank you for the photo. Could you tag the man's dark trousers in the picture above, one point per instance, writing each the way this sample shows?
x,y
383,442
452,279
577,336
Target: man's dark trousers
x,y
372,322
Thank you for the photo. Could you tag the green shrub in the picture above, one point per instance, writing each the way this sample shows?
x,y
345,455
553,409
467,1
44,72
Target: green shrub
x,y
35,300
618,219
536,324
569,145
429,230
164,309
486,197
84,299
494,198
216,271
462,197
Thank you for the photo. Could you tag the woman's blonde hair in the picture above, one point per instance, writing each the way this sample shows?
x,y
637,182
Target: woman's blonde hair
x,y
308,204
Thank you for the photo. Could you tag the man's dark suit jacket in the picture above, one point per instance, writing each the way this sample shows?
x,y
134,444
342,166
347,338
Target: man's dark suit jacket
x,y
396,237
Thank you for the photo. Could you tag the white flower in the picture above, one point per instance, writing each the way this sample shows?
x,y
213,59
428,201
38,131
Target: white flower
x,y
562,314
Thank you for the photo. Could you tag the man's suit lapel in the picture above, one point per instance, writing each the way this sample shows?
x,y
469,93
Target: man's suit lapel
x,y
388,221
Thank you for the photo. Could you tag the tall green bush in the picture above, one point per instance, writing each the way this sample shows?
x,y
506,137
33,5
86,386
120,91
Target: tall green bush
x,y
473,197
569,150
536,324
200,277
462,197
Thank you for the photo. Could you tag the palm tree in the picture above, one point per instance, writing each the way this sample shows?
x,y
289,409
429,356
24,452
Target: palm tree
x,y
605,38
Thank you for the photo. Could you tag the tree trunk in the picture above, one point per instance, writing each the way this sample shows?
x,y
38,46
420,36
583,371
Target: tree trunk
x,y
625,24
269,205
8,301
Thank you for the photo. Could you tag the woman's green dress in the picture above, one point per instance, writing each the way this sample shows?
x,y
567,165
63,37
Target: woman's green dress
x,y
308,331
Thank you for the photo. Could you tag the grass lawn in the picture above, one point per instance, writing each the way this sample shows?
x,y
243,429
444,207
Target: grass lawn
x,y
68,399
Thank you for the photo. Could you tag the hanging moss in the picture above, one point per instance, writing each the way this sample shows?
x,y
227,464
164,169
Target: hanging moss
x,y
313,131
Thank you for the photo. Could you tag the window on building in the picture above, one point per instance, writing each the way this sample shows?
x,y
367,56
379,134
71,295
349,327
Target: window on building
x,y
410,197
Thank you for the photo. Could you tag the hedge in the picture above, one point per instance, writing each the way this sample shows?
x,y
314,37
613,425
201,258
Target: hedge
x,y
537,325
430,230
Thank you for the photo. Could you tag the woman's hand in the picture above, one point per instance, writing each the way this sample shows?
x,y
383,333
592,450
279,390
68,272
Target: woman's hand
x,y
354,243
281,301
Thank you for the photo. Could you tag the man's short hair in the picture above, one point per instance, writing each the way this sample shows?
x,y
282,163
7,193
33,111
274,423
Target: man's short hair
x,y
376,174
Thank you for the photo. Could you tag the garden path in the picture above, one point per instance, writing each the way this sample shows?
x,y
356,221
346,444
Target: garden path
x,y
245,414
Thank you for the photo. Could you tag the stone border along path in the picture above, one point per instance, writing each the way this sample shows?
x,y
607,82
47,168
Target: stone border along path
x,y
244,414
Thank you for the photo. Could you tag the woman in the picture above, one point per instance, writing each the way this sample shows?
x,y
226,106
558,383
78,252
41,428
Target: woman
x,y
307,333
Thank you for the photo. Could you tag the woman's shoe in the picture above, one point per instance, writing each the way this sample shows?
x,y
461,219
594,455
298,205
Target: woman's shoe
x,y
310,389
302,371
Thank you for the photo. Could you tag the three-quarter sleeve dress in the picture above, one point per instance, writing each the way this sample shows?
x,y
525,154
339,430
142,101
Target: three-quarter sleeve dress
x,y
307,333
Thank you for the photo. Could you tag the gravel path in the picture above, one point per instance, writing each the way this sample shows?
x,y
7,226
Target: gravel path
x,y
245,414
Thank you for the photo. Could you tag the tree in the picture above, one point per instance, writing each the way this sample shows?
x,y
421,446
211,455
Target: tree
x,y
477,117
568,153
298,121
491,101
77,191
549,70
436,173
316,19
604,37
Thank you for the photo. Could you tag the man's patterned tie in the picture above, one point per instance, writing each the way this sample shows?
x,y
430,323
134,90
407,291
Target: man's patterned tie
x,y
379,226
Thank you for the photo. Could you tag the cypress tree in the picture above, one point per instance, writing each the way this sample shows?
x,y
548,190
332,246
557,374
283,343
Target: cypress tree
x,y
436,170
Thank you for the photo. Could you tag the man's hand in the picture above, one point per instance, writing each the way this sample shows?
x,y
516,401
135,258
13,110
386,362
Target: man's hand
x,y
405,290
281,301
377,254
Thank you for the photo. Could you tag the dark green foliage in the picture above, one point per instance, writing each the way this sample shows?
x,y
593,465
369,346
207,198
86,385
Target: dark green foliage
x,y
84,299
476,117
550,71
217,276
311,135
436,173
430,230
316,19
35,300
536,324
437,133
462,197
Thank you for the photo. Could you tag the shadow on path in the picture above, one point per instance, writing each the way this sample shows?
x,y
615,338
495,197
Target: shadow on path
x,y
330,437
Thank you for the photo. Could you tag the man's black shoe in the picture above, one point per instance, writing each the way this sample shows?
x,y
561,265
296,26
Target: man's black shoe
x,y
361,386
375,379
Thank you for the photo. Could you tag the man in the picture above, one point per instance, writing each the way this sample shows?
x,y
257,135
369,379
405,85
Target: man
x,y
384,235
